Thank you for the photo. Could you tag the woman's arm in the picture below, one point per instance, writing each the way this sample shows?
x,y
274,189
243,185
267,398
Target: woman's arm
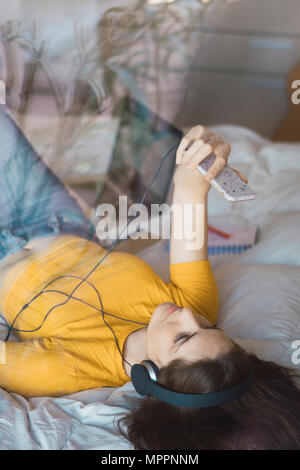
x,y
189,210
189,217
192,283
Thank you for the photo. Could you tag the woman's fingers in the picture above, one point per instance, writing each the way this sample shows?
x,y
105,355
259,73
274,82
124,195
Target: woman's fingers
x,y
196,153
183,144
222,151
196,134
197,144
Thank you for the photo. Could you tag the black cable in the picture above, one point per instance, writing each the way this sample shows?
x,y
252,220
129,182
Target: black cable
x,y
69,296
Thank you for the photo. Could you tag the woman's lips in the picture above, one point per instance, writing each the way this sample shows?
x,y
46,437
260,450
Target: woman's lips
x,y
172,309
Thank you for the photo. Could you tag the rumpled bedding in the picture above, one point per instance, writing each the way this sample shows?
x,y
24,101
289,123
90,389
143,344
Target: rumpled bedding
x,y
259,301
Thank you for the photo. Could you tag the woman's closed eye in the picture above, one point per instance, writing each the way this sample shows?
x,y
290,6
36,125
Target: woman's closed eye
x,y
185,335
180,337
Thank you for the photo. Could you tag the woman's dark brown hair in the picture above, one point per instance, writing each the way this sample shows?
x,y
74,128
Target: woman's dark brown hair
x,y
267,416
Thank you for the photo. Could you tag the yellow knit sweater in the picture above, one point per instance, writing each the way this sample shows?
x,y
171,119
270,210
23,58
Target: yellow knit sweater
x,y
74,349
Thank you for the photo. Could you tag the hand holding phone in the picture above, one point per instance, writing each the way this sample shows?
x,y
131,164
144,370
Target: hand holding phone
x,y
203,149
229,184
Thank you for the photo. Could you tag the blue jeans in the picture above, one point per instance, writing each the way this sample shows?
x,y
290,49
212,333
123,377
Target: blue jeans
x,y
33,201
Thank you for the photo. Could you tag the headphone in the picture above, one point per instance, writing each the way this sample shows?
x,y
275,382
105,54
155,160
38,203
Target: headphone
x,y
144,379
143,375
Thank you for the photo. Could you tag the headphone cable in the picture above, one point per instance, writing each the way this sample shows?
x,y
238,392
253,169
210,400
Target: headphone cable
x,y
12,328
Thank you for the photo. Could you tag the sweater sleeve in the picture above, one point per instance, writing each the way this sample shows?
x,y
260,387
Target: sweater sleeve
x,y
193,285
39,367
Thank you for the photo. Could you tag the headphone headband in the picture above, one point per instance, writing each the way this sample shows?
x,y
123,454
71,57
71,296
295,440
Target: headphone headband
x,y
143,383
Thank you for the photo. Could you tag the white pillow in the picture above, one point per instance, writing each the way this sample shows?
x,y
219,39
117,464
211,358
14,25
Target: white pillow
x,y
281,156
273,172
260,308
278,242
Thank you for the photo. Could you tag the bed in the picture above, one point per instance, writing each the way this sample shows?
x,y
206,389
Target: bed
x,y
259,301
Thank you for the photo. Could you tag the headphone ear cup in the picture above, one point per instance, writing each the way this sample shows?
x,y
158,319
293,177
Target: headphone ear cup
x,y
154,367
140,378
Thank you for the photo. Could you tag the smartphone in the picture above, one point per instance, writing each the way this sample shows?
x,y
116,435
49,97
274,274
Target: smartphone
x,y
227,182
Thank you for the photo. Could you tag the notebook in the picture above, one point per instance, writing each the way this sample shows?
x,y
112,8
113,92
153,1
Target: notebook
x,y
241,238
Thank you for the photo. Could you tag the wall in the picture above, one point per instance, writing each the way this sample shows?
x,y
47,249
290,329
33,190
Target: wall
x,y
245,52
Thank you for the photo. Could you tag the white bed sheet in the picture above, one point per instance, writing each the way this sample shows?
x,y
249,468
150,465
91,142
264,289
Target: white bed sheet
x,y
259,301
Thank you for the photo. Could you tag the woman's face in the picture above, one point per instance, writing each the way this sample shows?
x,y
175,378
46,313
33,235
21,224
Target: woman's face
x,y
179,333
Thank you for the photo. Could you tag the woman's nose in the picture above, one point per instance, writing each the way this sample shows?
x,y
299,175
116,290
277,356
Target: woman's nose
x,y
188,315
194,318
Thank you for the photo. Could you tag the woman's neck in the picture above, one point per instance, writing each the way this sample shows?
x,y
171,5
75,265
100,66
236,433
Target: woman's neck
x,y
134,349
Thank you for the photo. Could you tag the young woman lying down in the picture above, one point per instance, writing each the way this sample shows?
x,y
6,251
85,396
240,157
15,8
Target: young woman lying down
x,y
73,343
